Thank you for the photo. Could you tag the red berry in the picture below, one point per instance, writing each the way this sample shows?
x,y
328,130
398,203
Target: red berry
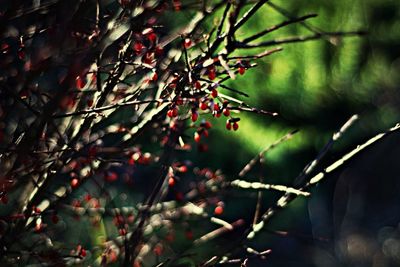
x,y
177,5
148,58
82,252
36,210
159,51
171,181
158,249
79,82
170,113
87,197
154,77
21,54
207,125
218,210
74,182
203,106
235,126
211,75
111,176
214,93
89,102
195,116
197,85
152,37
183,168
228,125
187,43
226,112
122,232
197,137
241,70
179,101
38,227
174,112
138,46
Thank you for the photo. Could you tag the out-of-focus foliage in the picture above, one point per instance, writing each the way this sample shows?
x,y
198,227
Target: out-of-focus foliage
x,y
315,86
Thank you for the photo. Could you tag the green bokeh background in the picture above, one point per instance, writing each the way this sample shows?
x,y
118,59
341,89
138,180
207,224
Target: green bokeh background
x,y
315,87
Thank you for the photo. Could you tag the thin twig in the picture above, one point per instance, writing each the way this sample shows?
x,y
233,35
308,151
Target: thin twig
x,y
298,39
276,27
254,160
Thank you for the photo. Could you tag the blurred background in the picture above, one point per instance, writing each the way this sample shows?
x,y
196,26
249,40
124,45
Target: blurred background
x,y
352,217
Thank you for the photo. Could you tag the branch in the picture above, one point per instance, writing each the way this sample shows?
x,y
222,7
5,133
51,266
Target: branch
x,y
276,27
298,39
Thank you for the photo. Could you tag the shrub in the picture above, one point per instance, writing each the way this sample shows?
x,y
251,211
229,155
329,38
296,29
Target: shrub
x,y
101,102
